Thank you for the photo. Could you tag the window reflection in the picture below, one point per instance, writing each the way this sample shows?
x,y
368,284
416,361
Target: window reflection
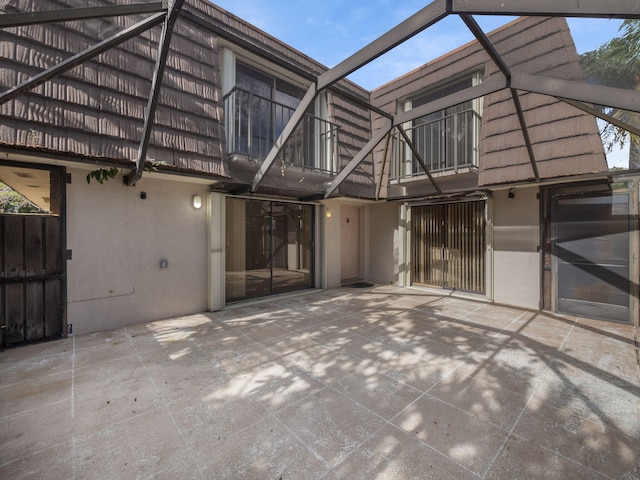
x,y
269,248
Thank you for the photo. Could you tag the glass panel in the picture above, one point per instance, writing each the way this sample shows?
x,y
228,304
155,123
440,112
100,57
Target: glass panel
x,y
442,91
445,139
592,248
448,246
288,94
254,111
292,247
465,247
269,248
253,81
262,107
248,248
427,245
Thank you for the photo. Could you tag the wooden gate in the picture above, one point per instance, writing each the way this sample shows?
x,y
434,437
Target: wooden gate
x,y
31,278
32,267
448,246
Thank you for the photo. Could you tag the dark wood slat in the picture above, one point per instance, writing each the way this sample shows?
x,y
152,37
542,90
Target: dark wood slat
x,y
14,313
34,311
33,245
52,245
52,308
13,246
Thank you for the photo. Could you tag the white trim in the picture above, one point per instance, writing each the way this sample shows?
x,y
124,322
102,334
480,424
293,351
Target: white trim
x,y
216,235
264,65
404,247
227,70
489,277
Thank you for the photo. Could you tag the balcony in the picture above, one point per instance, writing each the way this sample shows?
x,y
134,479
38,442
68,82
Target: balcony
x,y
253,124
448,145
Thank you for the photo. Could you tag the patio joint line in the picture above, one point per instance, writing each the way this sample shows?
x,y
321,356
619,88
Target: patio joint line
x,y
389,423
453,321
524,408
564,457
31,410
33,454
594,408
303,443
425,393
637,345
73,409
273,416
164,403
467,355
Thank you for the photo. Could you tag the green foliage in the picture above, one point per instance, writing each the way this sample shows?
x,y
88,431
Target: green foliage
x,y
152,166
101,175
617,64
12,202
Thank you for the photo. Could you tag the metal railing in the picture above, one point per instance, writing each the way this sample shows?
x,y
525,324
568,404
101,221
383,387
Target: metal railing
x,y
253,124
445,144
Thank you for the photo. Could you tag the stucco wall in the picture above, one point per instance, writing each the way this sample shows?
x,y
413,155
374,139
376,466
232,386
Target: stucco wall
x,y
331,245
118,240
384,243
516,236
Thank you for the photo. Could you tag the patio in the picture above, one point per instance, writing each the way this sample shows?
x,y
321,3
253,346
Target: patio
x,y
341,384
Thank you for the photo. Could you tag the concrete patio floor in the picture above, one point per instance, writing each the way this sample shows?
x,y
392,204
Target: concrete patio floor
x,y
379,383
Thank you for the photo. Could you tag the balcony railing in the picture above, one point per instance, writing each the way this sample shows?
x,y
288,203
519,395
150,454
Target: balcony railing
x,y
254,123
446,144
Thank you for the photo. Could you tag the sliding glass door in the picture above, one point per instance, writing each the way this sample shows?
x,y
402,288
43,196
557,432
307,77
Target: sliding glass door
x,y
448,246
269,248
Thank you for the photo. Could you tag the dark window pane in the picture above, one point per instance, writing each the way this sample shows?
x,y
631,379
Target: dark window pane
x,y
269,248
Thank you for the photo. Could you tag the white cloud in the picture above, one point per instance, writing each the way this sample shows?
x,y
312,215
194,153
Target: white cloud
x,y
410,55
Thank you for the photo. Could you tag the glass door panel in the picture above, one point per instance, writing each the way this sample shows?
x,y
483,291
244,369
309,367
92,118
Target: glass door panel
x,y
269,248
591,246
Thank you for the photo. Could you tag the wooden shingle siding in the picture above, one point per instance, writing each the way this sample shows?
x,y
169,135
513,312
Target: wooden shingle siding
x,y
251,34
354,122
98,107
565,140
352,119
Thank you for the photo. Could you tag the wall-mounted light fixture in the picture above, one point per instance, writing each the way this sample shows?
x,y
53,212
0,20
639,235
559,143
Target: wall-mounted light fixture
x,y
328,213
512,193
197,202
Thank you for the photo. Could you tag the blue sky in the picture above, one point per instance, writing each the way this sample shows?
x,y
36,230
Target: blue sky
x,y
331,30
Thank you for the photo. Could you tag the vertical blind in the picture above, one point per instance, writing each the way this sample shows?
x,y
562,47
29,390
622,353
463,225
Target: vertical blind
x,y
448,246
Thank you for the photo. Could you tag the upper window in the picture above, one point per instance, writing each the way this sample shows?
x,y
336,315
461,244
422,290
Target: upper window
x,y
259,104
446,140
259,83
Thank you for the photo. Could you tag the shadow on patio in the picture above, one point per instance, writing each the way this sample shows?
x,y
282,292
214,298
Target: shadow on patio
x,y
376,383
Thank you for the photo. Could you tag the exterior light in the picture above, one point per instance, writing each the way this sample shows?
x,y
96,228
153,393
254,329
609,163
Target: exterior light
x,y
197,202
328,213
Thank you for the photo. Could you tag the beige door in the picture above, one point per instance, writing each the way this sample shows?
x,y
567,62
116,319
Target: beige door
x,y
349,242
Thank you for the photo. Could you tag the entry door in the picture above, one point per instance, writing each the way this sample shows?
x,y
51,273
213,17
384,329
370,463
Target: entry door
x,y
448,246
592,256
349,242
